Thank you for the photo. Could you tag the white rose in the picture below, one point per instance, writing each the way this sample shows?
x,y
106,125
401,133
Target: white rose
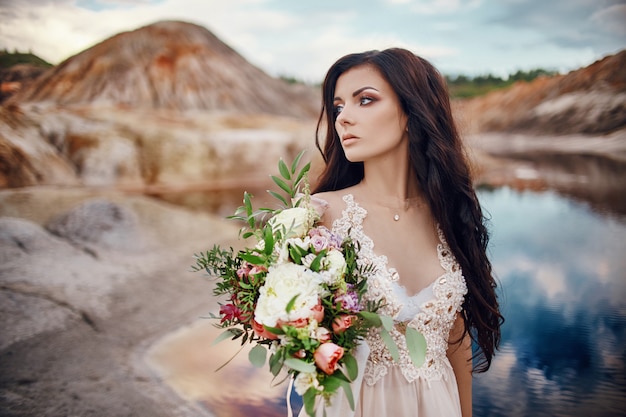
x,y
282,283
304,381
293,222
335,264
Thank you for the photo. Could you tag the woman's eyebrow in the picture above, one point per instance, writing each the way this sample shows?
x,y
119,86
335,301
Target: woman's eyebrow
x,y
359,91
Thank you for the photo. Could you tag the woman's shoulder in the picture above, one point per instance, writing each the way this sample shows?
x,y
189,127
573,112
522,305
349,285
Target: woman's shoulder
x,y
333,204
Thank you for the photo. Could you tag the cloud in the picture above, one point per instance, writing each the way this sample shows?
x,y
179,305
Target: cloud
x,y
571,24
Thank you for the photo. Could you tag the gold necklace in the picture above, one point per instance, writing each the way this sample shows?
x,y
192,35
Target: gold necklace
x,y
408,203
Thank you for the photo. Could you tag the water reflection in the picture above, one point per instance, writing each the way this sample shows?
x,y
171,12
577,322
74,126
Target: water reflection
x,y
561,268
563,293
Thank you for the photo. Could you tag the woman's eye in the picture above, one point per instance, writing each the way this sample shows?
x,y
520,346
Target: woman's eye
x,y
337,109
365,100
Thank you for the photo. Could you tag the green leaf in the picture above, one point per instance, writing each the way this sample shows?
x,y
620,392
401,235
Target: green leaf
x,y
331,383
269,240
302,173
279,197
296,162
275,330
283,185
391,345
371,318
291,303
284,171
295,255
309,401
416,343
257,356
387,322
253,259
276,363
317,262
228,334
351,366
299,365
349,396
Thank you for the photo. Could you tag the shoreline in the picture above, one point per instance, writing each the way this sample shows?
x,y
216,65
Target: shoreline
x,y
81,317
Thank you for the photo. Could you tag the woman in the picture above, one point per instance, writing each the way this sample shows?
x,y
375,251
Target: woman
x,y
396,180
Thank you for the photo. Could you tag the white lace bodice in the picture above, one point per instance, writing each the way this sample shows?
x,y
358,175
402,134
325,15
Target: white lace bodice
x,y
432,311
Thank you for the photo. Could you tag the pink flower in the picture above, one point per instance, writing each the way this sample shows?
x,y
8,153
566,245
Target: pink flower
x,y
257,269
301,354
318,313
244,270
298,323
327,357
230,312
319,243
262,331
341,323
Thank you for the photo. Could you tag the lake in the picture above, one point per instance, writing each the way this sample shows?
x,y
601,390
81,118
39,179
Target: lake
x,y
562,273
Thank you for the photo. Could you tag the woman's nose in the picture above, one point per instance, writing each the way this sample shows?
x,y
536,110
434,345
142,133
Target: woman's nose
x,y
344,117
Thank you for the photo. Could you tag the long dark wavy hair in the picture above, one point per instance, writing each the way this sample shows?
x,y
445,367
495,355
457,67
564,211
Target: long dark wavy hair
x,y
438,159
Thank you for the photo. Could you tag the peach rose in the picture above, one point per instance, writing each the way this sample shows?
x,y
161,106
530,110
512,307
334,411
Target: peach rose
x,y
318,313
341,323
262,331
327,356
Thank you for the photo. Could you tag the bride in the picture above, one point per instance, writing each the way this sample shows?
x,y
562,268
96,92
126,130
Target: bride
x,y
397,181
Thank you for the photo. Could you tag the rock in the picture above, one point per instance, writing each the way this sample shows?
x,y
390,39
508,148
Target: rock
x,y
591,100
99,223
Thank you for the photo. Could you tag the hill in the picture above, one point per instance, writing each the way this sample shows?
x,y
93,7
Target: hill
x,y
591,100
168,65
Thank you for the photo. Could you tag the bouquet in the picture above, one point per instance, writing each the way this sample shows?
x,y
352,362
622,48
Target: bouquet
x,y
296,292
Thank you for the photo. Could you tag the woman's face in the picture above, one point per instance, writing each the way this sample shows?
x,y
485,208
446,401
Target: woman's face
x,y
369,120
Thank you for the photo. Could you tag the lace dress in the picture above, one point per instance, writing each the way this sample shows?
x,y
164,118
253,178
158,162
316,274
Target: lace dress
x,y
399,389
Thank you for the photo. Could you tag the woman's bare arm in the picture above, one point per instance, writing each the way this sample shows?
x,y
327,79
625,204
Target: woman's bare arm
x,y
460,354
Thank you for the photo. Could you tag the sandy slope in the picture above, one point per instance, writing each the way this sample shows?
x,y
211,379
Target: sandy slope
x,y
79,311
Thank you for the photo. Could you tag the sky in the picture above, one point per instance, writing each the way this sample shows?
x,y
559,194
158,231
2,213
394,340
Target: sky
x,y
302,38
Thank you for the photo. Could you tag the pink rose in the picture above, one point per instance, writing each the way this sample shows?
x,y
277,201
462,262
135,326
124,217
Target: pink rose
x,y
318,313
298,323
341,323
262,331
327,356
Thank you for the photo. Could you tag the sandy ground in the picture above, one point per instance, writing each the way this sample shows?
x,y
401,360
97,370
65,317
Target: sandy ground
x,y
79,311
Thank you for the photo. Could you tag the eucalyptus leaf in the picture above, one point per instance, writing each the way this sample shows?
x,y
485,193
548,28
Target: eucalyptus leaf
x,y
352,368
416,343
391,345
257,356
371,318
387,322
299,365
309,401
276,364
347,388
227,334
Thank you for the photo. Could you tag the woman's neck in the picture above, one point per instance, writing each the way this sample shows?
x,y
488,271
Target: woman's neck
x,y
390,181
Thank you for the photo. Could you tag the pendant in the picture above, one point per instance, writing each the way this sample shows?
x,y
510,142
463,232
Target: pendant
x,y
396,217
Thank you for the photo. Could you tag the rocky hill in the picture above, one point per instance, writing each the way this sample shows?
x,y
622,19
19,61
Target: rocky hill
x,y
168,65
591,100
168,104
